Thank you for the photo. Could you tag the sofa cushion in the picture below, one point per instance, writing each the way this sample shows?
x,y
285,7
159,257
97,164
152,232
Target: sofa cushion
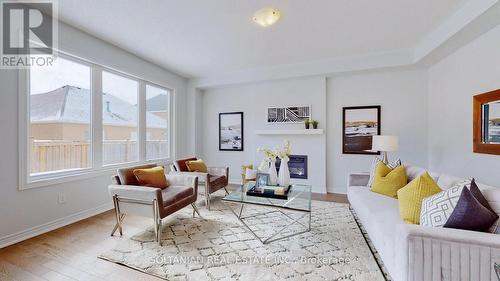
x,y
379,216
388,181
411,196
180,165
197,165
413,172
151,177
470,214
436,209
373,167
446,181
175,193
127,176
492,194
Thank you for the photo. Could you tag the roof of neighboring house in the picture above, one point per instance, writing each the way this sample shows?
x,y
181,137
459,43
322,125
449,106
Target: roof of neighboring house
x,y
157,103
70,104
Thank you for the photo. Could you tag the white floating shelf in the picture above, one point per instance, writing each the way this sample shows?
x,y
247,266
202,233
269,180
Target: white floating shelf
x,y
290,132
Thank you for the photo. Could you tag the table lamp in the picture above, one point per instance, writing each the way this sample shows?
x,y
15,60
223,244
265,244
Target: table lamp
x,y
385,144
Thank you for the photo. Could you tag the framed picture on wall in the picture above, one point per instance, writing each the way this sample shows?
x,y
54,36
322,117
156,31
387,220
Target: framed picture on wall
x,y
360,124
288,114
231,131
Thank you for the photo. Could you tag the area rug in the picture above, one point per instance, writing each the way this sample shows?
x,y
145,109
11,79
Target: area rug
x,y
219,247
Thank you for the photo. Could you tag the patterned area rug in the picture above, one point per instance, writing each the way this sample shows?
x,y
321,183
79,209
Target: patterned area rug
x,y
218,247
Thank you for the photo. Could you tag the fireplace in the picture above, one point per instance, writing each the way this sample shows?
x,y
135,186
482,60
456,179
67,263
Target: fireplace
x,y
297,166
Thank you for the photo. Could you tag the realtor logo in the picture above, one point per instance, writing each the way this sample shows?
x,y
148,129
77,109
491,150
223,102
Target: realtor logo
x,y
28,33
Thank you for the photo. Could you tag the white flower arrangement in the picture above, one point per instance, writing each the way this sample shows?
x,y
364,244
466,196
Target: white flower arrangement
x,y
281,152
285,151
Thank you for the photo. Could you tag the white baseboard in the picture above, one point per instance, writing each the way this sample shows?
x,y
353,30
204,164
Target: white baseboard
x,y
58,223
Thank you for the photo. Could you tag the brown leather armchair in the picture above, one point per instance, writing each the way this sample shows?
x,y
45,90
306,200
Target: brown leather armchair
x,y
216,178
130,198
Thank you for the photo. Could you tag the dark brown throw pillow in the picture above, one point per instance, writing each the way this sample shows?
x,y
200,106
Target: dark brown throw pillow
x,y
476,192
470,214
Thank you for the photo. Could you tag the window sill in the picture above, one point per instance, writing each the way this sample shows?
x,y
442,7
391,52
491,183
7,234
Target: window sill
x,y
75,176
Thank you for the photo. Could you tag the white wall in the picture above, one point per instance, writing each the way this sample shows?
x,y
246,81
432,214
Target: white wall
x,y
403,97
31,211
253,99
472,70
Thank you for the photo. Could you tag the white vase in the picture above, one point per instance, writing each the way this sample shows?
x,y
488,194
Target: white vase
x,y
284,175
273,177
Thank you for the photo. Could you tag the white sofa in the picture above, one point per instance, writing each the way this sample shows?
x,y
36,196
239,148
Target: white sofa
x,y
418,253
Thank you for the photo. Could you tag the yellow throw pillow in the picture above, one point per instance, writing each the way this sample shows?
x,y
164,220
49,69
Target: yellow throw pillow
x,y
412,195
153,177
388,181
196,166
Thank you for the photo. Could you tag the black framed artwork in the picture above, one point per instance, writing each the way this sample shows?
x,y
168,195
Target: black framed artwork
x,y
359,125
231,131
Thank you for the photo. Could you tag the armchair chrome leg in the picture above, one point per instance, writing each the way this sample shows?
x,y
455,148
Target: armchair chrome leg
x,y
116,225
195,209
117,216
227,192
159,232
208,201
155,218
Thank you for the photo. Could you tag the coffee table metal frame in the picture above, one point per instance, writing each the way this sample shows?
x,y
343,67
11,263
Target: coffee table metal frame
x,y
268,202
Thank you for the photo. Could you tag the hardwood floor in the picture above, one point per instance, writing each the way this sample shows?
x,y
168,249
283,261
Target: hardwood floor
x,y
70,253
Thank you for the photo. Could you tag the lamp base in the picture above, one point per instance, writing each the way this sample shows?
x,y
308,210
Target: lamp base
x,y
385,160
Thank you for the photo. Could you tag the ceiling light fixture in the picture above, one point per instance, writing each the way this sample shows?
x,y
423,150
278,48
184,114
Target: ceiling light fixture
x,y
266,17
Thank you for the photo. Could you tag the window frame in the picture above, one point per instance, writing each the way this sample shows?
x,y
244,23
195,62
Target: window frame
x,y
27,181
169,118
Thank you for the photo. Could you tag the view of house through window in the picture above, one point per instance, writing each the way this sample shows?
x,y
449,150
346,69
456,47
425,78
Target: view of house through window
x,y
120,119
157,112
60,117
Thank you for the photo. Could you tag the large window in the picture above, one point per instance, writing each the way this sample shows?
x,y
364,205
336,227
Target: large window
x,y
83,118
119,119
60,117
157,119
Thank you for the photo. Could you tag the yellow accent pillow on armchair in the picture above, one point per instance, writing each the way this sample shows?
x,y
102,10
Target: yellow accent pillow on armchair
x,y
388,181
196,166
411,197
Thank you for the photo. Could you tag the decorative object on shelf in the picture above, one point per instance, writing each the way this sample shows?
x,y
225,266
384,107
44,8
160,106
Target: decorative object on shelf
x,y
284,155
262,179
231,131
486,136
315,124
288,114
385,144
360,124
307,123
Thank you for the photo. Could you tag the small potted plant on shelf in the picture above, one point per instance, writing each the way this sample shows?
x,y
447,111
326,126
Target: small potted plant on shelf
x,y
307,123
315,124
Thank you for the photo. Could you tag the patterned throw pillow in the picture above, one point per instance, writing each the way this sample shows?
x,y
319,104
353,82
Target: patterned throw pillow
x,y
436,209
375,161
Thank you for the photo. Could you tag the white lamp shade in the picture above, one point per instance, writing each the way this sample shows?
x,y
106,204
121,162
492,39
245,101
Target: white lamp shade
x,y
385,143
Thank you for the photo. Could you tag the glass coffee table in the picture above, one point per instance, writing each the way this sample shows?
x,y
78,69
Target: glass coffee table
x,y
299,201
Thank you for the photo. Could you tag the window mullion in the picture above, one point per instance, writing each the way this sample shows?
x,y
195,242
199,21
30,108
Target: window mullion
x,y
97,136
142,121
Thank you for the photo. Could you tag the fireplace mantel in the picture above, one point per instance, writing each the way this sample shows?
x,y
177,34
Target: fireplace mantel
x,y
290,132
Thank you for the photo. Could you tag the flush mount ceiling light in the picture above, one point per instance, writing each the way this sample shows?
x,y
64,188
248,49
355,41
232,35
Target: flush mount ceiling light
x,y
266,17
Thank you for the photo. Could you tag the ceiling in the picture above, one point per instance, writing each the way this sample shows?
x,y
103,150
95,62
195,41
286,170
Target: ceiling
x,y
199,38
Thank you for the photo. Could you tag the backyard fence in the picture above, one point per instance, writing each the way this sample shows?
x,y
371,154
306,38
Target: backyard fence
x,y
48,155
